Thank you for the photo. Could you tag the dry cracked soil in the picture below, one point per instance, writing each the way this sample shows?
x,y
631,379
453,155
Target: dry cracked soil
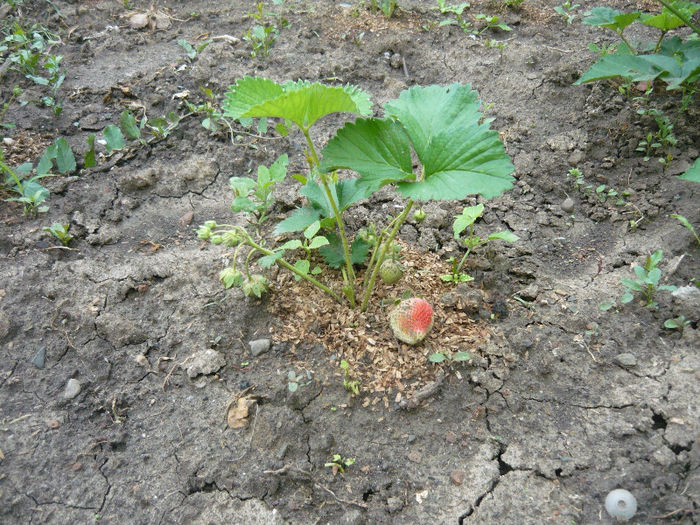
x,y
130,391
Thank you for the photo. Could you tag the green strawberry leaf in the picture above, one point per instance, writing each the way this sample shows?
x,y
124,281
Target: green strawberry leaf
x,y
241,186
269,260
437,357
693,173
298,220
333,251
504,236
128,124
65,160
113,138
610,18
459,155
468,216
317,242
243,204
461,356
300,102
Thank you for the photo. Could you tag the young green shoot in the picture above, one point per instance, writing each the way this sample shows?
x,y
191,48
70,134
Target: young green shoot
x,y
338,464
465,221
350,384
646,282
60,231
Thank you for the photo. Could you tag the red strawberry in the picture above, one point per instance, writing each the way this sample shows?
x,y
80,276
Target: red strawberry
x,y
411,320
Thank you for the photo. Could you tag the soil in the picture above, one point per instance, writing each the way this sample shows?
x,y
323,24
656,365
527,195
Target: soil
x,y
149,406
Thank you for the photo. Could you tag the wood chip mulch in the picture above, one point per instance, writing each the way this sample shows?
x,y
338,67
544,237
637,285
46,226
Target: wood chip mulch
x,y
364,339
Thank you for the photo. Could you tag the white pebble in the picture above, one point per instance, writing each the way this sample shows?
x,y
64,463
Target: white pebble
x,y
621,504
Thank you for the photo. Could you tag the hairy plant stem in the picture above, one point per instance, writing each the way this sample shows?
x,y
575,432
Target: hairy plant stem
x,y
382,254
247,239
680,15
627,43
338,219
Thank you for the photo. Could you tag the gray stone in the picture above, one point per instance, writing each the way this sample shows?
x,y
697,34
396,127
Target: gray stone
x,y
626,360
204,363
73,388
40,358
530,292
259,346
394,504
567,205
686,301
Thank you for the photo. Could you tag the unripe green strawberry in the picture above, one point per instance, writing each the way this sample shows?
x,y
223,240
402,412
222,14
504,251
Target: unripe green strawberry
x,y
419,215
390,271
411,320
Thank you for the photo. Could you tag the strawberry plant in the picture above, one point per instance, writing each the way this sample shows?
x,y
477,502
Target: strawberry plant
x,y
672,60
463,221
459,155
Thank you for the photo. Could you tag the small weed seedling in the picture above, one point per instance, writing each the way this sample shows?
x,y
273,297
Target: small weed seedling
x,y
60,231
677,323
647,281
31,193
338,464
263,34
457,11
466,220
441,125
294,380
513,4
685,222
491,22
29,53
658,141
351,385
386,6
191,50
567,11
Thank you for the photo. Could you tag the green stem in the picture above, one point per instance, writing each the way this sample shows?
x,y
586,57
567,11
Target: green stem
x,y
338,218
680,15
375,250
247,261
659,41
461,262
627,43
382,253
281,262
14,176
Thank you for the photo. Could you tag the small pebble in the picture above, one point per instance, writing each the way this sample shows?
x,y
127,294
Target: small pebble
x,y
53,424
259,346
626,360
40,358
567,205
457,476
394,504
73,388
186,219
138,21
